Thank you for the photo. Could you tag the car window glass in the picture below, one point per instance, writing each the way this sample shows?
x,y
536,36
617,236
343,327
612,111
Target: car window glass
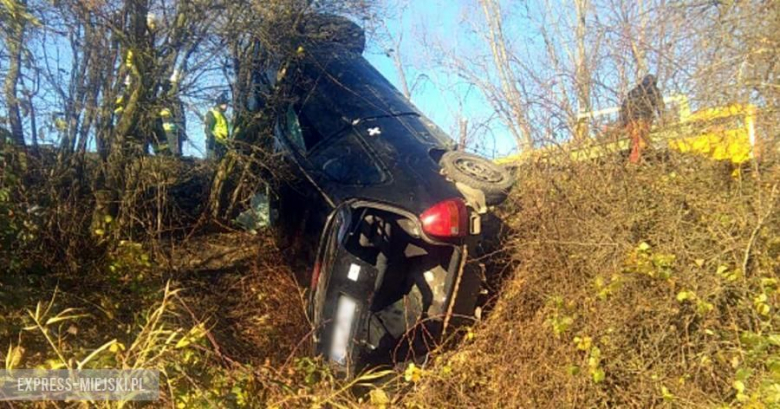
x,y
311,136
294,131
302,134
344,160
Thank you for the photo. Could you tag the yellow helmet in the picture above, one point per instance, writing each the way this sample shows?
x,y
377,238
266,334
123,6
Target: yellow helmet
x,y
165,112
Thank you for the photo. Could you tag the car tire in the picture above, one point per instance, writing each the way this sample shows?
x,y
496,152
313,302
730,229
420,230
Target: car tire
x,y
478,173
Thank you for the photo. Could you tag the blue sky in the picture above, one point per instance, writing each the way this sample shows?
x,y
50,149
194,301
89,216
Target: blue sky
x,y
455,28
439,94
436,91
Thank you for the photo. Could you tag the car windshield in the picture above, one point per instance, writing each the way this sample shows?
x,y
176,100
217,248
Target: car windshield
x,y
339,88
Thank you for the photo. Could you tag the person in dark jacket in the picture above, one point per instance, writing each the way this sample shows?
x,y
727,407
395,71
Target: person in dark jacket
x,y
217,129
637,113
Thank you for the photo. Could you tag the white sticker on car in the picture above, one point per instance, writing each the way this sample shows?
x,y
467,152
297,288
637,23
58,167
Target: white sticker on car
x,y
354,272
345,312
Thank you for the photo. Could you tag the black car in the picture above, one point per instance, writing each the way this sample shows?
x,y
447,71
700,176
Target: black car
x,y
393,207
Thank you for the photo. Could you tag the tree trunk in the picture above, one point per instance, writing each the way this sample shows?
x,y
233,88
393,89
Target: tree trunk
x,y
14,42
582,70
400,69
506,76
638,46
128,139
463,133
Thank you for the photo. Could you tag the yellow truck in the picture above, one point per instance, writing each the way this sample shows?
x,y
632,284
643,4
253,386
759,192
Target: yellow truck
x,y
721,133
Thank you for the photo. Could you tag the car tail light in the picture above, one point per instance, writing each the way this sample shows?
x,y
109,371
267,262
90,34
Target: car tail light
x,y
446,219
315,275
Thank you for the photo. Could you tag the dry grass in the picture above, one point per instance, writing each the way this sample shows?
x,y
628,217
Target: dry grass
x,y
252,301
634,287
596,318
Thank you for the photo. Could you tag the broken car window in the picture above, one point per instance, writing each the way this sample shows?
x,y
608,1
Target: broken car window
x,y
294,131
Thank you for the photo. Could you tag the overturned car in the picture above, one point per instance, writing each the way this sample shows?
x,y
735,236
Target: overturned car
x,y
388,202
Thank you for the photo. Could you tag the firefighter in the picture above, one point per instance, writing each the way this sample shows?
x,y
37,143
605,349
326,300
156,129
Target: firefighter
x,y
172,122
119,104
217,132
637,113
163,126
173,134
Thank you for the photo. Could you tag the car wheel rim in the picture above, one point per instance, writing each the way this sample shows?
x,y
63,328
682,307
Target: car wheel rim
x,y
478,170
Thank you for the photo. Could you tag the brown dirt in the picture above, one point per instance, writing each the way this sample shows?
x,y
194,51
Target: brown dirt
x,y
246,292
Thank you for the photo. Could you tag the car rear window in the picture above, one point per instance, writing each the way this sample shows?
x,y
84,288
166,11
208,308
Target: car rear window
x,y
346,161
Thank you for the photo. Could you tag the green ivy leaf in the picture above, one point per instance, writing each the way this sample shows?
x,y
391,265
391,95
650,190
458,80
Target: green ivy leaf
x,y
743,374
598,375
668,396
686,295
773,365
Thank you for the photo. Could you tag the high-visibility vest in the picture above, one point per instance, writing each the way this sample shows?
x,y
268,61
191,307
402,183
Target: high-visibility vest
x,y
160,148
129,59
119,105
220,129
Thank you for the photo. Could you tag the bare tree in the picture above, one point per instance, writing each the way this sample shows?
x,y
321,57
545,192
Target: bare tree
x,y
506,75
14,19
583,79
390,41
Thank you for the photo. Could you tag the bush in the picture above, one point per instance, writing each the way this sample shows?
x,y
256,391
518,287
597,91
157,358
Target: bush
x,y
640,287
